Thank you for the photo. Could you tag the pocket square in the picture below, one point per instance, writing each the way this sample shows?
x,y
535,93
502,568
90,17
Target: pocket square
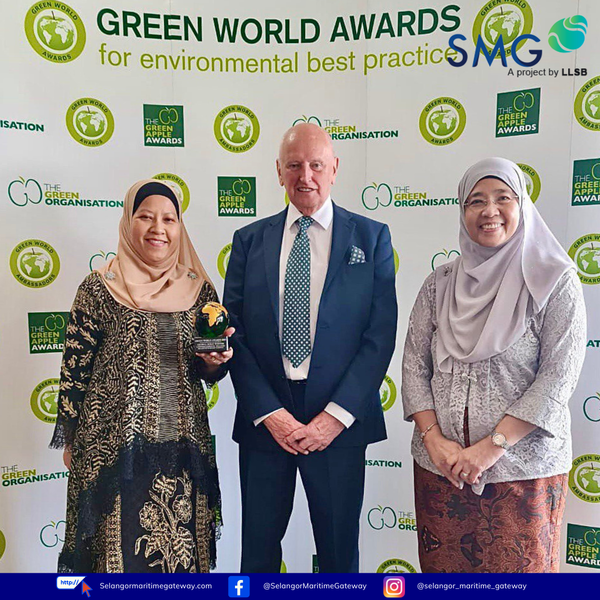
x,y
357,256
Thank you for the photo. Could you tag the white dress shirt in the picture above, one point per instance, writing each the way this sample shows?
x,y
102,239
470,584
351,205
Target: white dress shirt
x,y
319,235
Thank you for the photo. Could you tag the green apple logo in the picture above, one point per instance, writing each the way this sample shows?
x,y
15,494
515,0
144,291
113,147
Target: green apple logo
x,y
223,260
90,122
375,195
387,393
532,180
2,544
100,257
442,257
34,263
21,191
44,400
53,322
236,128
241,187
53,533
584,478
442,122
179,185
587,104
212,396
168,116
523,101
305,119
595,400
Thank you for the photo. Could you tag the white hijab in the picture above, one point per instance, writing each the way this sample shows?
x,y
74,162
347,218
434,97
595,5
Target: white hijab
x,y
484,304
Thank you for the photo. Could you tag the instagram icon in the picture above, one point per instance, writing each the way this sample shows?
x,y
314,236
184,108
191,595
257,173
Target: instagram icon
x,y
393,587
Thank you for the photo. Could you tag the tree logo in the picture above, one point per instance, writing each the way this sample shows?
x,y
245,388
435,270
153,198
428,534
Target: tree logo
x,y
223,260
180,186
568,34
387,393
584,478
236,128
585,253
442,121
587,104
55,31
90,122
34,263
44,400
532,180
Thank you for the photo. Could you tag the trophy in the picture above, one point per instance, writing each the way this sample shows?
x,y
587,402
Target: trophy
x,y
211,320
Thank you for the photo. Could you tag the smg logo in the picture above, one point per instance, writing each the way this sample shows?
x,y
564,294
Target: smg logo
x,y
499,49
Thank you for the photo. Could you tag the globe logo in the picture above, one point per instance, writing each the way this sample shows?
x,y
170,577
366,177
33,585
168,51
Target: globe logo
x,y
588,478
588,260
568,34
57,33
90,123
505,23
442,121
592,105
237,128
35,265
48,402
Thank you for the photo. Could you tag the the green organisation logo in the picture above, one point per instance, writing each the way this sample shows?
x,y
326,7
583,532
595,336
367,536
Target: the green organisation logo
x,y
583,546
385,517
442,121
383,195
90,122
443,256
34,263
591,408
586,182
44,400
179,185
343,131
587,104
387,393
584,478
532,180
22,192
163,125
12,475
585,252
55,31
21,126
518,113
568,34
506,18
53,534
395,565
236,128
212,395
98,260
383,462
223,260
236,196
47,331
2,544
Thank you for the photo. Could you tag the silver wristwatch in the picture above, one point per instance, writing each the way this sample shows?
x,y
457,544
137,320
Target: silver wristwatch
x,y
499,440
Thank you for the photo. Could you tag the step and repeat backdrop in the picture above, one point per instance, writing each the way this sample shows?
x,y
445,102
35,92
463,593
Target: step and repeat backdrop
x,y
97,95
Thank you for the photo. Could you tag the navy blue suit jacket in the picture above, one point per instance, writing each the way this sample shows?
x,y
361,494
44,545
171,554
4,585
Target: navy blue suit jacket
x,y
354,339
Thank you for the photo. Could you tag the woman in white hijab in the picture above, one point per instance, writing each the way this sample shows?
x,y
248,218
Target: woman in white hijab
x,y
495,345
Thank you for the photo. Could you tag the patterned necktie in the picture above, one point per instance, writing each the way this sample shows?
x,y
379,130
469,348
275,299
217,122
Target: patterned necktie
x,y
296,297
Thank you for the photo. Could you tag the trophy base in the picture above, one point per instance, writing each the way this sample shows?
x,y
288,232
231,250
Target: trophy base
x,y
211,345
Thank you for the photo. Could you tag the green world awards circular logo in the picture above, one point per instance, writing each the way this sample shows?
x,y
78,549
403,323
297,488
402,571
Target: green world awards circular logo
x,y
442,121
181,187
395,565
223,260
587,104
44,400
212,396
34,263
585,253
396,261
567,35
387,393
55,31
584,478
237,128
2,544
533,181
90,122
508,19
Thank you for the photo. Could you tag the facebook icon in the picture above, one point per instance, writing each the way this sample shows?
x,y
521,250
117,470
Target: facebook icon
x,y
239,586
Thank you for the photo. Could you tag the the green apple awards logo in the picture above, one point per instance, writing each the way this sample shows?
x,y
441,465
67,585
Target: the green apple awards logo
x,y
44,400
442,121
98,260
591,408
223,260
163,125
342,131
90,122
387,393
584,478
395,565
212,396
583,546
532,181
236,196
53,534
443,256
34,263
47,331
236,128
179,185
55,31
503,21
382,195
568,34
11,475
585,252
587,104
518,113
586,182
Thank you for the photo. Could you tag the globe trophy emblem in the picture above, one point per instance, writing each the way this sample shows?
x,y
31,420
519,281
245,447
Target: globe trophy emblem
x,y
211,321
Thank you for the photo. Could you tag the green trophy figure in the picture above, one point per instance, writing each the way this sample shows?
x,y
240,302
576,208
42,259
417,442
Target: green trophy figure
x,y
212,319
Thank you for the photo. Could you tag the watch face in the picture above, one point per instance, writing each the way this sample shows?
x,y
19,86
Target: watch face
x,y
498,439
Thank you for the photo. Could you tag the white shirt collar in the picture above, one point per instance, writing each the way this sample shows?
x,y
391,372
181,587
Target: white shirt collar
x,y
324,216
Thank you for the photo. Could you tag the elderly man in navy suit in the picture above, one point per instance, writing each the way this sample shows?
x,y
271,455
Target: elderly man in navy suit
x,y
311,293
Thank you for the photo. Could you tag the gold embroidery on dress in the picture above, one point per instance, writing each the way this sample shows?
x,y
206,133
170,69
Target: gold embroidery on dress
x,y
162,518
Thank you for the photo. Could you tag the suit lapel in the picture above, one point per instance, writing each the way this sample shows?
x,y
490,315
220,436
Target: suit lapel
x,y
341,235
272,238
